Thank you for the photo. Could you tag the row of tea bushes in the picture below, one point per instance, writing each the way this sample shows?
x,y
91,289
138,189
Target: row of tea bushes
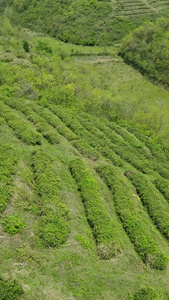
x,y
8,160
135,222
21,127
40,123
106,230
153,200
53,228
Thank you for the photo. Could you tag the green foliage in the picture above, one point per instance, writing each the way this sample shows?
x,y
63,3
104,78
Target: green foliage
x,y
44,47
53,228
26,46
153,200
149,293
133,220
78,22
147,48
84,242
105,230
12,224
9,290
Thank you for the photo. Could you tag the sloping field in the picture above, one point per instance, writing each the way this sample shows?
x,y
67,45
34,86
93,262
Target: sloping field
x,y
84,198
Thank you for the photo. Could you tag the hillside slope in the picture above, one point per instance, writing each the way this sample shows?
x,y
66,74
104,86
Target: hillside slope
x,y
84,174
87,22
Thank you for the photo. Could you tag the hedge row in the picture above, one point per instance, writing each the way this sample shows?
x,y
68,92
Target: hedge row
x,y
22,128
133,219
41,125
153,200
105,229
54,227
8,161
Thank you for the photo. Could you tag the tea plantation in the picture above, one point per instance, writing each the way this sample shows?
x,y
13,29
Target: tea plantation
x,y
84,170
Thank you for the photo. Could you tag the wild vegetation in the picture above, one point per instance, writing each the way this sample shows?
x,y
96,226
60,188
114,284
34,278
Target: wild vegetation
x,y
83,157
89,22
147,49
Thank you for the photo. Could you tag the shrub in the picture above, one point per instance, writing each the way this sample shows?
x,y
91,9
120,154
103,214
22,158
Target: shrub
x,y
26,46
136,224
105,230
12,224
9,290
149,293
43,47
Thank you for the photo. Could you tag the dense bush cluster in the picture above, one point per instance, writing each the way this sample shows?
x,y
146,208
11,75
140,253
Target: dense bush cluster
x,y
80,22
12,224
8,161
147,48
153,200
105,229
132,217
9,290
149,293
53,228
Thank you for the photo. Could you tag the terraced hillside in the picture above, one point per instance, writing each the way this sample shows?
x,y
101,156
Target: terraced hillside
x,y
131,8
84,192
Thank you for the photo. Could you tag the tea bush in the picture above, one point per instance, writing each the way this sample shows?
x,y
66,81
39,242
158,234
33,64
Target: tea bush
x,y
12,224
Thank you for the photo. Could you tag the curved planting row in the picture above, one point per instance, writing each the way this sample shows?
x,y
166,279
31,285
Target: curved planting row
x,y
49,113
53,229
22,128
153,200
130,138
112,141
163,186
106,230
135,222
41,125
8,161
